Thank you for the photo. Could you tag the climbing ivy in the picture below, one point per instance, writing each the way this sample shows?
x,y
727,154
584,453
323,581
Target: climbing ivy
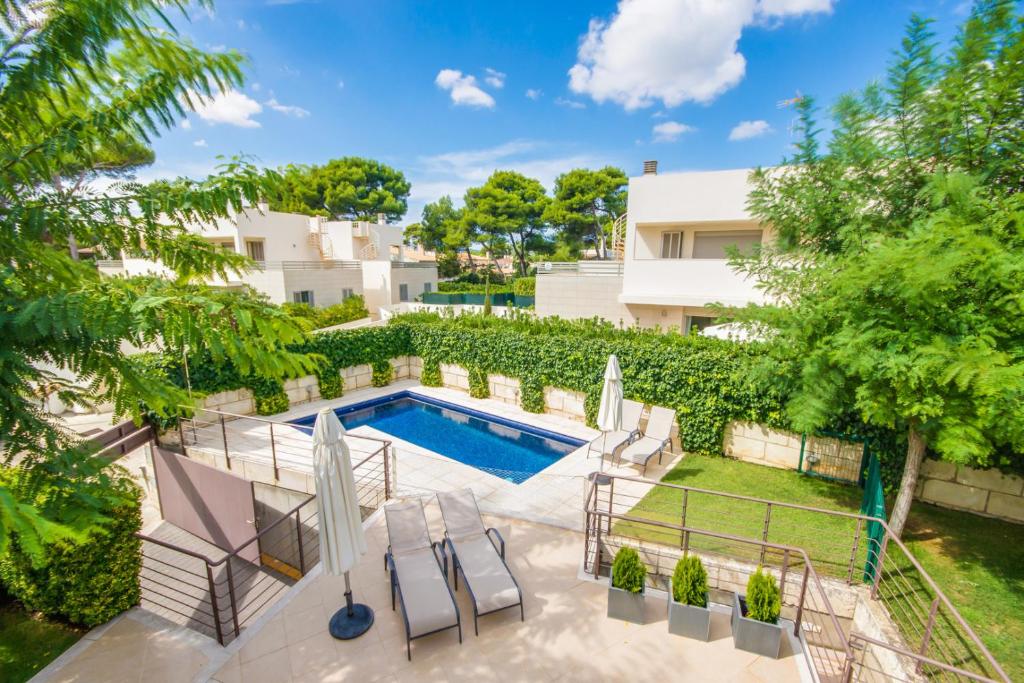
x,y
478,387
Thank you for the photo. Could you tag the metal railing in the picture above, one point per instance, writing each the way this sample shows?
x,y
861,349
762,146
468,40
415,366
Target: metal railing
x,y
219,597
306,265
583,268
736,533
276,452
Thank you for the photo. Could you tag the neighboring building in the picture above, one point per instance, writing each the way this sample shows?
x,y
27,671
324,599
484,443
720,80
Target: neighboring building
x,y
672,251
309,259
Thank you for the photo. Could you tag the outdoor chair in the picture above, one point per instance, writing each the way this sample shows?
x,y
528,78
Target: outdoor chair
x,y
655,438
475,553
630,430
419,574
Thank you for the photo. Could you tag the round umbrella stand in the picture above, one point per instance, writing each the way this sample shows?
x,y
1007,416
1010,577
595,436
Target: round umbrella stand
x,y
599,478
352,620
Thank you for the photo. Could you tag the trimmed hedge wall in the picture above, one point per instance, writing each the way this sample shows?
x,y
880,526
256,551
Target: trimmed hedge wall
x,y
705,380
87,583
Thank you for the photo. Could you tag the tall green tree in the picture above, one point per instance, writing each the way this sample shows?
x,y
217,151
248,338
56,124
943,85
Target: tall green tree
x,y
442,230
507,212
346,188
82,83
897,275
586,203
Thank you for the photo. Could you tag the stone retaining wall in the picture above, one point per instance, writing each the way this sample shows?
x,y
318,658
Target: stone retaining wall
x,y
985,492
756,443
237,401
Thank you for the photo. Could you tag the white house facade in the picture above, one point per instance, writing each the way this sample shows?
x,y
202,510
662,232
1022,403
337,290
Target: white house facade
x,y
672,255
307,259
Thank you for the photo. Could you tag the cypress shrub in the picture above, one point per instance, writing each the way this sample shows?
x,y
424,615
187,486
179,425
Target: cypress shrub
x,y
764,601
478,387
690,582
628,572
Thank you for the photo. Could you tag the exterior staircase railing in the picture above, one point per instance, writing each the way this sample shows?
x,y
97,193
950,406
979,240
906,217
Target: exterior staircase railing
x,y
618,250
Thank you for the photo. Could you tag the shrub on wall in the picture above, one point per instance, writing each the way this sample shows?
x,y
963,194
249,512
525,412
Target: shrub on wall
x,y
430,375
478,387
331,383
531,394
525,286
90,581
383,373
269,397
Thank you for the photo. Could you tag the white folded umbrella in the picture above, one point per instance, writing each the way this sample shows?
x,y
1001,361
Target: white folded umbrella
x,y
609,413
342,541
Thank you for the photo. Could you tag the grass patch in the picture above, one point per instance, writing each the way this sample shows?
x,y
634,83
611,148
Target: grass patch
x,y
977,562
28,642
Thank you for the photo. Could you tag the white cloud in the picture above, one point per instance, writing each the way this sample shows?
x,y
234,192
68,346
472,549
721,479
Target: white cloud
x,y
186,124
256,87
669,131
494,78
672,51
200,143
534,93
231,107
290,72
463,89
745,130
571,104
241,24
287,109
220,47
341,84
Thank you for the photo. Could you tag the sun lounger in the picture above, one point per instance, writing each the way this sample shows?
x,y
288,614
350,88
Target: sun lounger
x,y
419,574
655,439
613,441
474,552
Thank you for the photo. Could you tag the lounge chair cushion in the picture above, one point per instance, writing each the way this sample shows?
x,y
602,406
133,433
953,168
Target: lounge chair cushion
x,y
641,450
611,442
425,595
486,574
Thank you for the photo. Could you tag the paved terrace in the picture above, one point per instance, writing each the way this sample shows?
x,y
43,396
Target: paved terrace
x,y
566,635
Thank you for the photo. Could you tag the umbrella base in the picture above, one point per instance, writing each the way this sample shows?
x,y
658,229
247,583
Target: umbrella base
x,y
346,625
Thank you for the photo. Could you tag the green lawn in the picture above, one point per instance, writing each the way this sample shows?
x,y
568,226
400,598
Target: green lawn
x,y
978,562
27,643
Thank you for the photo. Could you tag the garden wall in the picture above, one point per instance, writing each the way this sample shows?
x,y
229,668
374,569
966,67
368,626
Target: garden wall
x,y
985,492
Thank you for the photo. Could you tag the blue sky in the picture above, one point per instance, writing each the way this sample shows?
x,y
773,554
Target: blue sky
x,y
449,91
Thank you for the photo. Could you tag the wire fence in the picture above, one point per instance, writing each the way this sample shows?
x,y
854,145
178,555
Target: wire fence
x,y
820,557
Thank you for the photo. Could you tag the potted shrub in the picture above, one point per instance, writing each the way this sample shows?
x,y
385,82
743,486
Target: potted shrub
x,y
755,616
626,587
688,613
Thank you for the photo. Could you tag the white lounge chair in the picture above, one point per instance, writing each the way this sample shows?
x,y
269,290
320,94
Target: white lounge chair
x,y
655,439
418,575
613,441
490,582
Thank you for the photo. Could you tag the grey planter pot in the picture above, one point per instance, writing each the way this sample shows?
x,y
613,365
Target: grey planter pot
x,y
751,635
625,605
689,621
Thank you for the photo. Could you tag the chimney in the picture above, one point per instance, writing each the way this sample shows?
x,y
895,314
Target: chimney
x,y
381,219
651,167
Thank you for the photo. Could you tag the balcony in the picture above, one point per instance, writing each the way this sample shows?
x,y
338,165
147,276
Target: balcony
x,y
686,282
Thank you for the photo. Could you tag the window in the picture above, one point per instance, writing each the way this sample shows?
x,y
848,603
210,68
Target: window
x,y
428,287
226,246
303,297
403,292
713,244
698,322
254,248
346,293
671,245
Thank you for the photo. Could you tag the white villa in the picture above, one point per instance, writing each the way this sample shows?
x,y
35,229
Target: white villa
x,y
309,259
671,255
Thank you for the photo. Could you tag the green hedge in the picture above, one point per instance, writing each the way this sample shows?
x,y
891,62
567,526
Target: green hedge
x,y
705,380
470,288
89,582
525,286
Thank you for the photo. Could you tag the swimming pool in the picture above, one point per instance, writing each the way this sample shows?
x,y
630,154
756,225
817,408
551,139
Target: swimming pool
x,y
507,449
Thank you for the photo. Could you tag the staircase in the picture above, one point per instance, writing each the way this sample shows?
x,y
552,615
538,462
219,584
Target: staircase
x,y
319,239
369,251
619,238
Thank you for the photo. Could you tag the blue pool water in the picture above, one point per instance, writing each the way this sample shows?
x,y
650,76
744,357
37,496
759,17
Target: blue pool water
x,y
506,449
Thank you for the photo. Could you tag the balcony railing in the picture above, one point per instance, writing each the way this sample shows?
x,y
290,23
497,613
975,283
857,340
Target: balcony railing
x,y
581,268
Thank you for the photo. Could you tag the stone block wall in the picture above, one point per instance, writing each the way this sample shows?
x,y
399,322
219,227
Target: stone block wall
x,y
504,389
454,377
985,492
756,443
357,376
564,403
237,401
302,389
